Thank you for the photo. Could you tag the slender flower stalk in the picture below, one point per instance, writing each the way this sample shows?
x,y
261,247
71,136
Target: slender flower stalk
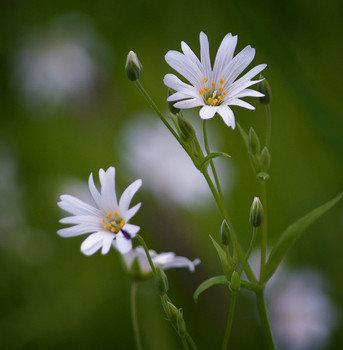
x,y
136,332
229,320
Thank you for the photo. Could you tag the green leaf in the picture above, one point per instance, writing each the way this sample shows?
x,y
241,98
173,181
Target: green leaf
x,y
209,283
244,135
223,258
293,232
211,156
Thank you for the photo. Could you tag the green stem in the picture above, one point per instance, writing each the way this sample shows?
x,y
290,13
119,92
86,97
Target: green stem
x,y
269,124
134,315
142,242
221,207
264,239
191,341
229,320
264,319
215,175
252,243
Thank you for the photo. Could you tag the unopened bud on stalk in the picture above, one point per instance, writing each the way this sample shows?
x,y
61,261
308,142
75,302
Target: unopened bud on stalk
x,y
176,317
133,67
256,213
186,128
225,233
161,281
264,87
235,282
171,103
254,142
265,159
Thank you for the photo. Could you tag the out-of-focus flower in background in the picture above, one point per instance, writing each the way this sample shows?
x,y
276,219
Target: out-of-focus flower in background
x,y
107,221
165,168
60,64
302,314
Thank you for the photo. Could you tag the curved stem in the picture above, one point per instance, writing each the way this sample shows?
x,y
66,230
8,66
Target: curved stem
x,y
252,243
215,175
269,125
264,319
134,315
191,341
264,239
141,240
229,320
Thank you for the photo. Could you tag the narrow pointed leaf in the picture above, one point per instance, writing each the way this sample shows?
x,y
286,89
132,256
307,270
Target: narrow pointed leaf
x,y
209,283
293,232
223,258
244,135
211,156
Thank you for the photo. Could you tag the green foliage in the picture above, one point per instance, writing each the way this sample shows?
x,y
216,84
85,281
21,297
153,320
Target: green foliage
x,y
208,284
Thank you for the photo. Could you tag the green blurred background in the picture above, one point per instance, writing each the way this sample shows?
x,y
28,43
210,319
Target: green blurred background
x,y
54,134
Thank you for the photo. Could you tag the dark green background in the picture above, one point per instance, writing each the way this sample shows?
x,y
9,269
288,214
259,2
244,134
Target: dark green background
x,y
72,301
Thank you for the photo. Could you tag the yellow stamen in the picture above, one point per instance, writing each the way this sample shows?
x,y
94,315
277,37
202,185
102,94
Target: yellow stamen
x,y
209,100
113,230
221,81
201,92
116,214
215,100
108,215
107,226
122,222
221,89
213,85
220,98
224,93
206,89
103,220
205,80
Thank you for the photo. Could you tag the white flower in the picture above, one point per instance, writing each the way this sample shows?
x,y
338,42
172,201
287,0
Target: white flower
x,y
165,260
215,89
107,220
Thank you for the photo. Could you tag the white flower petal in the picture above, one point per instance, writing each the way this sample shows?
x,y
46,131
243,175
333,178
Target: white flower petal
x,y
227,115
208,112
94,191
132,230
76,230
81,219
205,55
108,192
252,73
179,262
191,55
240,103
177,96
94,242
191,103
173,82
122,244
77,207
132,212
249,93
224,55
128,194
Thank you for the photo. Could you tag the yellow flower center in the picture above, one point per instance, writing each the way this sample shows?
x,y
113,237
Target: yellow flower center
x,y
113,222
211,95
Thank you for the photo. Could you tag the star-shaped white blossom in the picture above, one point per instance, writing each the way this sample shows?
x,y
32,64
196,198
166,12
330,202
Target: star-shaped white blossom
x,y
107,220
214,89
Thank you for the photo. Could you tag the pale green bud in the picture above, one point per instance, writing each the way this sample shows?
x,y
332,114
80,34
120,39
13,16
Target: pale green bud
x,y
225,233
176,317
161,281
235,283
265,159
256,213
264,87
133,67
254,142
171,103
186,128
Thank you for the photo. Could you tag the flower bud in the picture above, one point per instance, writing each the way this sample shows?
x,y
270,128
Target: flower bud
x,y
171,103
186,129
225,233
256,213
133,67
161,281
264,87
254,142
176,317
265,159
235,283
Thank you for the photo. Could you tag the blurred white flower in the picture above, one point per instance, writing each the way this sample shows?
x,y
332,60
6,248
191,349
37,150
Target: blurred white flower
x,y
107,221
214,89
165,260
302,314
59,64
164,166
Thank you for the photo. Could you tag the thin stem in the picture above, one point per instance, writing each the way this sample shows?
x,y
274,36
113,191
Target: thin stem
x,y
215,175
141,240
229,320
191,341
134,315
264,239
269,124
184,343
251,245
264,319
221,207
